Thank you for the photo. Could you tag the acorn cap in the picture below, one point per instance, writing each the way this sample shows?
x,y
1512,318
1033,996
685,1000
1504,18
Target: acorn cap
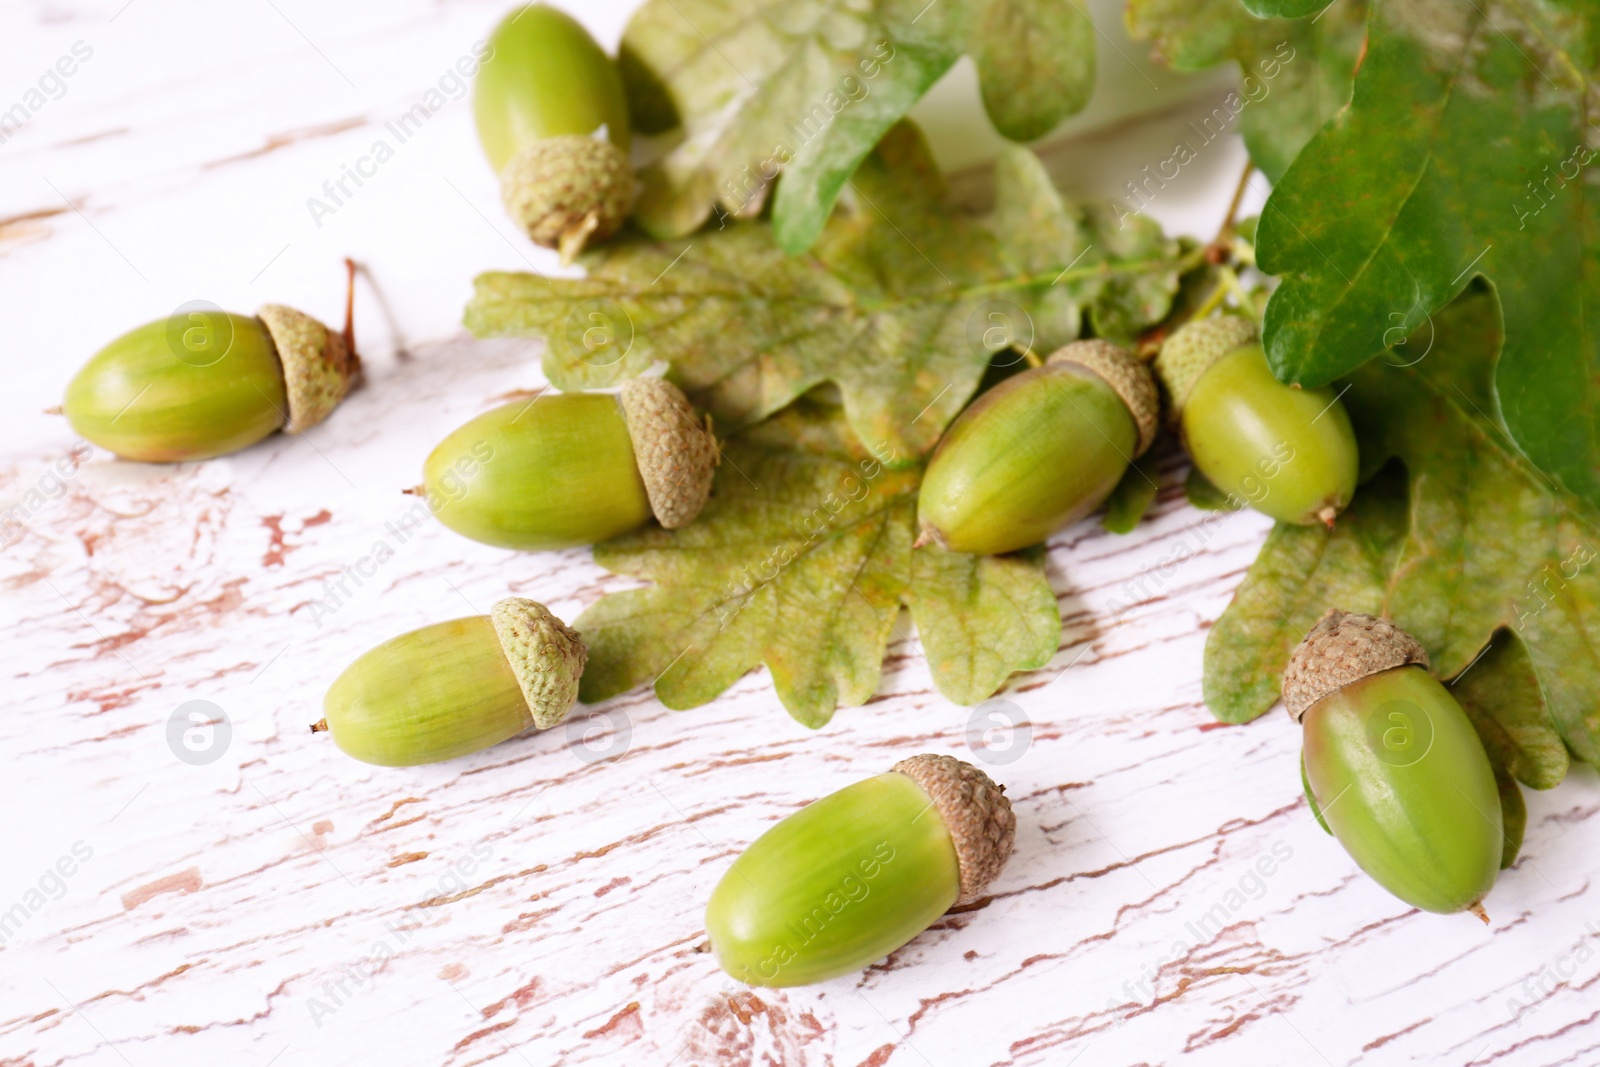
x,y
1126,375
546,655
1190,351
975,811
317,365
567,191
1344,647
677,457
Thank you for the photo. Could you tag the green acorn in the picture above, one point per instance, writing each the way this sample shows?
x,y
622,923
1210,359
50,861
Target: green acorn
x,y
1039,451
1287,452
1392,765
553,122
850,878
455,687
204,382
569,469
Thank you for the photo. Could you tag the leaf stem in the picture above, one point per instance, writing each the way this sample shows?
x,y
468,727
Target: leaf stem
x,y
1218,295
1227,282
1217,250
1230,280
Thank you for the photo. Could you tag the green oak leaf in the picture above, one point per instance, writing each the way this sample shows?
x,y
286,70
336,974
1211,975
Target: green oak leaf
x,y
1203,494
1457,537
1301,572
1500,694
1463,153
1132,497
802,561
1296,74
1513,817
901,303
1311,800
754,88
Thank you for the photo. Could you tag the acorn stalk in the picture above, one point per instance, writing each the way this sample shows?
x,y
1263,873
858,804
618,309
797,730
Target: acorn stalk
x,y
854,876
456,687
1392,765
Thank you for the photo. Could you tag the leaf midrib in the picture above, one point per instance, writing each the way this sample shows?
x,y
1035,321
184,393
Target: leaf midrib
x,y
1049,279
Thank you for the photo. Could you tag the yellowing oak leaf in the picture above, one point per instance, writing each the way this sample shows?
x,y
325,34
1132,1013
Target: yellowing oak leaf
x,y
754,88
802,561
900,304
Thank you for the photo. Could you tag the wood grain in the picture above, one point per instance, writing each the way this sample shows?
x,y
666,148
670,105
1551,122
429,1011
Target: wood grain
x,y
541,902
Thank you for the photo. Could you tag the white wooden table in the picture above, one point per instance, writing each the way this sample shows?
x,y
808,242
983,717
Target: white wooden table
x,y
542,902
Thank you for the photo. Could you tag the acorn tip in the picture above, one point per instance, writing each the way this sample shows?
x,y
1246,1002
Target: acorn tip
x,y
320,726
1327,515
1477,909
53,409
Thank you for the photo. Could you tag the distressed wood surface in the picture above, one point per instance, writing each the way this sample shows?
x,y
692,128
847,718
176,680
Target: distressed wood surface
x,y
541,902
